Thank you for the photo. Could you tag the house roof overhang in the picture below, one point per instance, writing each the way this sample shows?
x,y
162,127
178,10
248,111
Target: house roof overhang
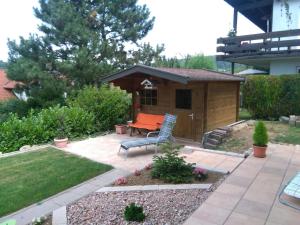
x,y
148,71
257,11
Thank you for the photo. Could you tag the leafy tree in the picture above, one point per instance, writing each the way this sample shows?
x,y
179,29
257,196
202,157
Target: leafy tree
x,y
82,41
2,64
198,61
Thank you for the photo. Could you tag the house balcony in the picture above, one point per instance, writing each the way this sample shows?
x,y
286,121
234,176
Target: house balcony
x,y
260,49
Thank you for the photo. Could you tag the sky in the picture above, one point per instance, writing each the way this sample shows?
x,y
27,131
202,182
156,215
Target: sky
x,y
184,26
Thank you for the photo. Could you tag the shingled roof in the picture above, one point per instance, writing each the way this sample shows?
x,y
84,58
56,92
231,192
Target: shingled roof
x,y
6,87
175,74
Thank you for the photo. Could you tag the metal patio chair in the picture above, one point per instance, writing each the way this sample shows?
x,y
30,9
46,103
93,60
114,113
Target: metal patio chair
x,y
163,136
292,189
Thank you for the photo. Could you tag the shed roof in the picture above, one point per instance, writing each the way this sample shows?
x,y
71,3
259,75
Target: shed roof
x,y
175,74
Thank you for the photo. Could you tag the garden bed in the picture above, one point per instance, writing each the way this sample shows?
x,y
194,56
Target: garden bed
x,y
160,207
146,179
241,140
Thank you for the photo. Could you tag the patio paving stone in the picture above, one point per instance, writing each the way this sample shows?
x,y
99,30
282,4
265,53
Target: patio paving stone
x,y
242,219
253,188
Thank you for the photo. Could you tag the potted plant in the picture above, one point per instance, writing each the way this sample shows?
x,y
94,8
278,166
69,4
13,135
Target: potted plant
x,y
260,140
61,139
121,128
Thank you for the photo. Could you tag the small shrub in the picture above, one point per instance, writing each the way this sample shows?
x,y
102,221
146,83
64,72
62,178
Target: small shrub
x,y
260,136
134,212
149,166
200,173
170,167
137,173
121,181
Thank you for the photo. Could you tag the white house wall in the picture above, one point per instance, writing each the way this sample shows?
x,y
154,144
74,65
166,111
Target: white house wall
x,y
284,67
280,19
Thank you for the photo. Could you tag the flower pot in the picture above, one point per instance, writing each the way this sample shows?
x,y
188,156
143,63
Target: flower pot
x,y
61,143
121,129
259,151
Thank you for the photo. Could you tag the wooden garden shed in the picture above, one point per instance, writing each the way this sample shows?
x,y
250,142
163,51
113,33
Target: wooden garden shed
x,y
202,100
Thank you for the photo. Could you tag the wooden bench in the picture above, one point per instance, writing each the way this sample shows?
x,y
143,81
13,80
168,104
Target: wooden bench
x,y
148,122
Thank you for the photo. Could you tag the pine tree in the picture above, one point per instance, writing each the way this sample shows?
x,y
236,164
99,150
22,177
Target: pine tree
x,y
81,42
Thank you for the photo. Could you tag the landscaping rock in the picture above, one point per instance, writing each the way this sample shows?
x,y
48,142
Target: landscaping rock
x,y
284,119
160,207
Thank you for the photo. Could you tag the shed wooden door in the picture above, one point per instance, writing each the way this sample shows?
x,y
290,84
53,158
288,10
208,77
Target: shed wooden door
x,y
188,106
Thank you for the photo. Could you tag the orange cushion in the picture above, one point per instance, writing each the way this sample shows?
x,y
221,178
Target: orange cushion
x,y
148,121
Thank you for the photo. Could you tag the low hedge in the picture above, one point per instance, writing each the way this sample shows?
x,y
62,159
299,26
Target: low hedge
x,y
268,97
43,127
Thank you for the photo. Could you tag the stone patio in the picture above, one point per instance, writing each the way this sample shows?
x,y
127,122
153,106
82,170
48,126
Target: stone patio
x,y
250,194
105,149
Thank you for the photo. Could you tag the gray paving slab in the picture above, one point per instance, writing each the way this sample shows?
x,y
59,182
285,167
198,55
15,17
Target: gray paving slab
x,y
59,216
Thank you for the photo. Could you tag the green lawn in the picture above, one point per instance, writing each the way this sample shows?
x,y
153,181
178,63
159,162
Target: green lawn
x,y
292,136
31,177
244,114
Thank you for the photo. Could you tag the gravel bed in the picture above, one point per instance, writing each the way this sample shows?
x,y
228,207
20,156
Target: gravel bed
x,y
160,207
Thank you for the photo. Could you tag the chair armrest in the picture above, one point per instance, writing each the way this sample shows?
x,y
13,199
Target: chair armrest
x,y
153,132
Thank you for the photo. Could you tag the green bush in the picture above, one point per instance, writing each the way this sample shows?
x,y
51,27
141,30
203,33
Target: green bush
x,y
260,136
15,106
110,105
134,213
268,97
170,167
43,127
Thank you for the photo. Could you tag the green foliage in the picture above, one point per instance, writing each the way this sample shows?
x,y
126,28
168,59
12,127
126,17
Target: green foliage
x,y
268,97
260,136
3,64
170,167
198,61
43,127
16,106
110,105
134,213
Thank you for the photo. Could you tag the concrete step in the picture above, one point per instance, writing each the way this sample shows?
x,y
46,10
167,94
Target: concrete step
x,y
217,136
209,146
213,141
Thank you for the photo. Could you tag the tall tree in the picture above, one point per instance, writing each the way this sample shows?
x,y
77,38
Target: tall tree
x,y
81,42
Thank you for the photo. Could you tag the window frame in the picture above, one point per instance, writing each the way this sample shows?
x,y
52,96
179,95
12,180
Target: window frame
x,y
177,104
144,98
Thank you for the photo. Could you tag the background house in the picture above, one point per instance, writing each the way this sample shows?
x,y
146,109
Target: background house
x,y
278,49
6,87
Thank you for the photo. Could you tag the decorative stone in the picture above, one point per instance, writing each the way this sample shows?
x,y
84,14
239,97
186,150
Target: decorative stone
x,y
284,119
25,148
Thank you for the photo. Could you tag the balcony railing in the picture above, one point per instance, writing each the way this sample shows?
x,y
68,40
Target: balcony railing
x,y
260,45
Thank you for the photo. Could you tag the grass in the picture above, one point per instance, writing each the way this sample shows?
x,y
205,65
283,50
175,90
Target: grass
x,y
244,114
292,136
31,177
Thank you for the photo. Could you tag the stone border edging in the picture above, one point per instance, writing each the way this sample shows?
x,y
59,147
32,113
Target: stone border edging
x,y
215,151
31,149
59,216
154,187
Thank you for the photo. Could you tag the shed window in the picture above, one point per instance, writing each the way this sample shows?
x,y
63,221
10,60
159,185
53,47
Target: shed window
x,y
183,99
148,97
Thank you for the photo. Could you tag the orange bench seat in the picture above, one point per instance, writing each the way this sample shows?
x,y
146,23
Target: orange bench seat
x,y
148,121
